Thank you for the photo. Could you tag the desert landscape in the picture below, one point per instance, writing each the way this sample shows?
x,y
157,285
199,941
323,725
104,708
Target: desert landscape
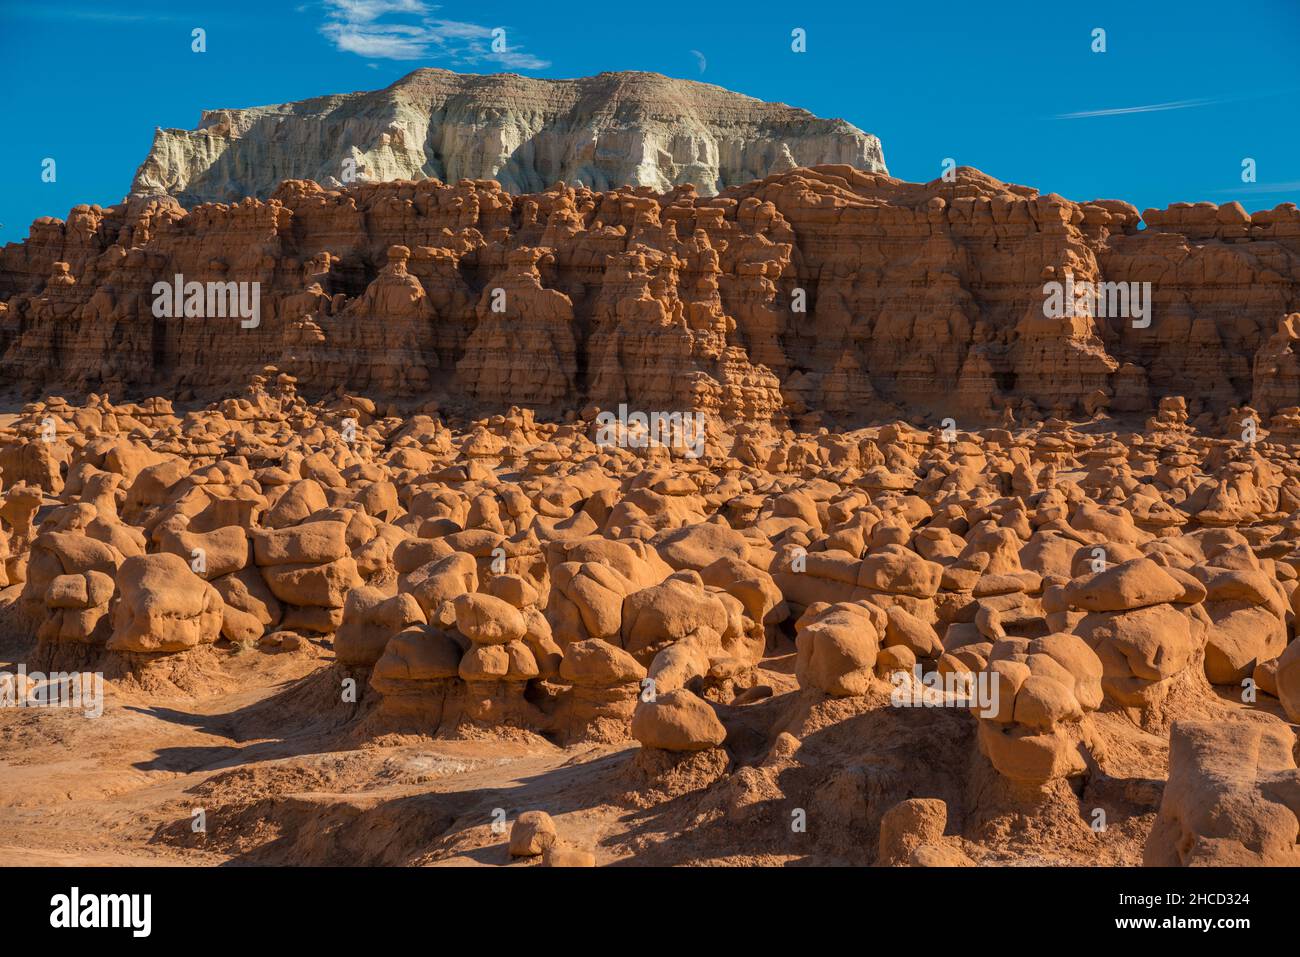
x,y
641,491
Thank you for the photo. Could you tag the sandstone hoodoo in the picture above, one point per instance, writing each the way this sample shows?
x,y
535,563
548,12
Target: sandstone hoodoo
x,y
1002,623
764,304
615,129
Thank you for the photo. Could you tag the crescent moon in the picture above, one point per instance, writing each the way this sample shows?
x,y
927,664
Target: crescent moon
x,y
704,64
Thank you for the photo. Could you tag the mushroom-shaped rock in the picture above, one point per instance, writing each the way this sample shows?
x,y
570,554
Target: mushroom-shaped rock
x,y
1133,584
604,683
435,584
1247,613
511,662
370,619
894,569
163,606
837,647
77,608
677,721
597,663
1144,624
1033,725
657,616
586,601
415,673
486,620
495,677
209,554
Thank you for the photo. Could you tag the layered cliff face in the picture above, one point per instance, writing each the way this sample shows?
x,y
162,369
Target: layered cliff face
x,y
815,296
614,129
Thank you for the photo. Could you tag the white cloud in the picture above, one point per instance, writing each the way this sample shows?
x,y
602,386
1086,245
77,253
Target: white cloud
x,y
406,30
366,11
1150,108
462,31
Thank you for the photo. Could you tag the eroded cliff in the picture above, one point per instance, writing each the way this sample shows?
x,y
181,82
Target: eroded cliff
x,y
813,296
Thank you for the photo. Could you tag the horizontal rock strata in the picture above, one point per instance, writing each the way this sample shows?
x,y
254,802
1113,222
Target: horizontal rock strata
x,y
825,296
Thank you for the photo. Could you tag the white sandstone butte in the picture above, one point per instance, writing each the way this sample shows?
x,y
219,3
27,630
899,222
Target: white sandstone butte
x,y
613,129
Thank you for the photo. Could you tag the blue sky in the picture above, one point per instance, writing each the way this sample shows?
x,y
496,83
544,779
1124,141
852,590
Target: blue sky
x,y
1183,94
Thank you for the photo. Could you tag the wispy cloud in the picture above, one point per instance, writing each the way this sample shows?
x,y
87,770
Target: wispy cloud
x,y
1148,108
408,30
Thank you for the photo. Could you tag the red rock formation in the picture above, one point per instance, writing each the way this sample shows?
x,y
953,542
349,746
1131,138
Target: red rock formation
x,y
816,296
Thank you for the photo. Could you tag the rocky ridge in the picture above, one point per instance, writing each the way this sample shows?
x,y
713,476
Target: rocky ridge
x,y
614,129
815,296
